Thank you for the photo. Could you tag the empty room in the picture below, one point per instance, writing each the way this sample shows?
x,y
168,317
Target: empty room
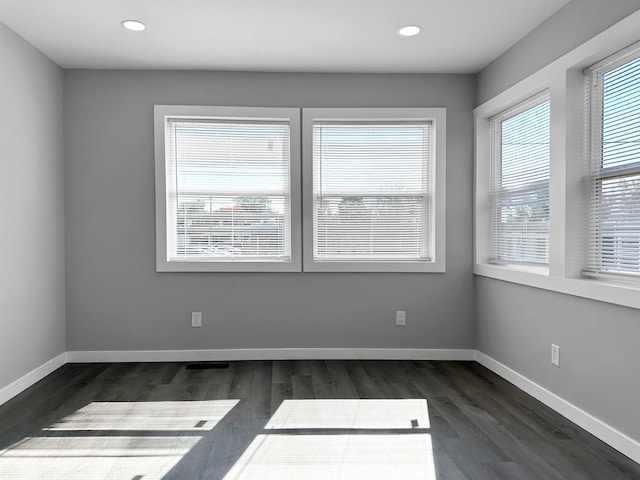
x,y
341,239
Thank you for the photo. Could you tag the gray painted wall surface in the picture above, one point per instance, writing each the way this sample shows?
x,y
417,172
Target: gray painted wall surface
x,y
516,325
572,25
599,354
116,300
32,278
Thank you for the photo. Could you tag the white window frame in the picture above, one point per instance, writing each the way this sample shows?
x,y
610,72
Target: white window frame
x,y
569,184
436,115
594,86
496,166
161,114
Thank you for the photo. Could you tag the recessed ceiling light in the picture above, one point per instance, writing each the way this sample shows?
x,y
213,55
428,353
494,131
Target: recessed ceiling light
x,y
134,25
410,30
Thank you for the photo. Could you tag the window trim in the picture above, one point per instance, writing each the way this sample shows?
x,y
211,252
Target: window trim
x,y
567,189
161,112
438,116
594,92
496,149
484,117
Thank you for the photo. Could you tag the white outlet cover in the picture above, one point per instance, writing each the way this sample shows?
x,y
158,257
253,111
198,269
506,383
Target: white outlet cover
x,y
555,355
401,318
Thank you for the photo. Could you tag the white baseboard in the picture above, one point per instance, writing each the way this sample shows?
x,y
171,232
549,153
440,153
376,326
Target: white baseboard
x,y
34,376
270,354
608,434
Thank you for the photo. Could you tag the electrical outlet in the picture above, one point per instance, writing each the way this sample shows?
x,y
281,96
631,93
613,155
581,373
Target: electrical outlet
x,y
555,355
196,319
401,318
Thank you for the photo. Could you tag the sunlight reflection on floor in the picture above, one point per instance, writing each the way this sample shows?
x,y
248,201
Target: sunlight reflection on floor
x,y
146,416
114,440
336,457
351,413
328,448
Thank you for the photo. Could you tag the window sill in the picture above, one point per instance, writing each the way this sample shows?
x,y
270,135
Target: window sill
x,y
595,289
373,267
511,267
194,266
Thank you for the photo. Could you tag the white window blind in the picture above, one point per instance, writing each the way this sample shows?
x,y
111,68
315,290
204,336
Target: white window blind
x,y
228,194
373,185
520,142
614,239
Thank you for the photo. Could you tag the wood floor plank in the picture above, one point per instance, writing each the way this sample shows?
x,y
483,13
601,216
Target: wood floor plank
x,y
341,384
302,387
445,465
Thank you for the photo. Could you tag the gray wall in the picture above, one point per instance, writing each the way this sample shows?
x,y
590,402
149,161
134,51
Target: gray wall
x,y
116,300
599,354
32,293
571,26
516,325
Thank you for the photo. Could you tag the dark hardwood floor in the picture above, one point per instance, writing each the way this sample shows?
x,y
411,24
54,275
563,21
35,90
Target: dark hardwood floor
x,y
286,420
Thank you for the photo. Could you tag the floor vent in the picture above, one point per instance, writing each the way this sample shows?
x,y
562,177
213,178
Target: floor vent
x,y
206,365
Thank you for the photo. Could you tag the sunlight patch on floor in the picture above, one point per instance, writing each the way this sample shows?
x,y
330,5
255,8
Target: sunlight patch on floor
x,y
341,439
337,457
102,463
351,413
182,416
114,440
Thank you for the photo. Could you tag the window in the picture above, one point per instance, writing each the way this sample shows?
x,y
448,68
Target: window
x,y
593,173
520,153
227,188
374,181
615,153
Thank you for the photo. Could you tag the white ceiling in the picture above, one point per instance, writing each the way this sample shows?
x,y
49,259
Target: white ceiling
x,y
459,36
